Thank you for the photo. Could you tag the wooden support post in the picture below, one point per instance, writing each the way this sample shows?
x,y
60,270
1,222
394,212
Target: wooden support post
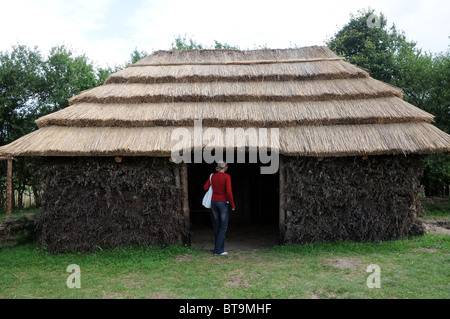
x,y
185,188
9,192
184,183
177,176
282,213
9,188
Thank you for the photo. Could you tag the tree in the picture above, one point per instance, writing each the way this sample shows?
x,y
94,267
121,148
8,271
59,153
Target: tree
x,y
424,78
219,45
21,76
104,73
30,87
367,41
438,98
137,55
65,76
437,101
183,43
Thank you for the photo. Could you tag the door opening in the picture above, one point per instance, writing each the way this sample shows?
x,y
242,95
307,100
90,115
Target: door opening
x,y
254,223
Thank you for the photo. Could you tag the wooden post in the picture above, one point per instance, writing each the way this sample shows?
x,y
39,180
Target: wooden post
x,y
282,213
177,176
9,192
185,188
184,183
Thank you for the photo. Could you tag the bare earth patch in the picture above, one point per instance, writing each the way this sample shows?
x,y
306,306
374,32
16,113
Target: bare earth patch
x,y
426,250
237,279
437,226
184,257
238,237
159,295
344,263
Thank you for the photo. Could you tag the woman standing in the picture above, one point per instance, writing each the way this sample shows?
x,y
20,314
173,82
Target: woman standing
x,y
221,201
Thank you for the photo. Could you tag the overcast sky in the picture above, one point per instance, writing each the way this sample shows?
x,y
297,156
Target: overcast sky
x,y
107,31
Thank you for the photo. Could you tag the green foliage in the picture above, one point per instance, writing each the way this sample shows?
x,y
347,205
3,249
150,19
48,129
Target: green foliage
x,y
137,55
65,75
219,45
104,73
367,43
423,77
334,270
20,86
436,174
437,209
32,86
438,99
183,43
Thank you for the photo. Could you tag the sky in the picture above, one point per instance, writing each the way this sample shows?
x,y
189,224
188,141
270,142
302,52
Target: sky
x,y
107,31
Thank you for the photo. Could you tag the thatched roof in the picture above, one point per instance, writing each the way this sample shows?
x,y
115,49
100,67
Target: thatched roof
x,y
322,105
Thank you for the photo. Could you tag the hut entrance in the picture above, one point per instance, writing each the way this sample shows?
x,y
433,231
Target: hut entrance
x,y
254,223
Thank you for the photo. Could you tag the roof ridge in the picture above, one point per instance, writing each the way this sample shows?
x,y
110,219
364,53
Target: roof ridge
x,y
239,62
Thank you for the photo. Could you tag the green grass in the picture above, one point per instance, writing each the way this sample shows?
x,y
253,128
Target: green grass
x,y
19,212
437,209
413,268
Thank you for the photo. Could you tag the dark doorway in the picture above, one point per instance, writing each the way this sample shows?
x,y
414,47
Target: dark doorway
x,y
254,223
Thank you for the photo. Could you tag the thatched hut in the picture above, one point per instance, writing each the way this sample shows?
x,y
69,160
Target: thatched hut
x,y
349,150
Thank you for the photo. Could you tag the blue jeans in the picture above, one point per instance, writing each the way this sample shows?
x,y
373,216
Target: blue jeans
x,y
220,212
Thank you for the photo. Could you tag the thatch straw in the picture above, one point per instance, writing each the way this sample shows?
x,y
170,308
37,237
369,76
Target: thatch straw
x,y
346,140
238,62
292,91
310,70
330,140
193,56
261,114
323,106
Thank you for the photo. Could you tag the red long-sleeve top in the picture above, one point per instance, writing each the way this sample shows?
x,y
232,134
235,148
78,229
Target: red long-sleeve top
x,y
221,184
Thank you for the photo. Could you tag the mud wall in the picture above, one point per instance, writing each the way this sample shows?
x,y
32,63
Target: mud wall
x,y
352,199
92,202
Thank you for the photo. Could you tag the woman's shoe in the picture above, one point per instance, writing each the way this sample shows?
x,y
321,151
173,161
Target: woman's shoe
x,y
222,254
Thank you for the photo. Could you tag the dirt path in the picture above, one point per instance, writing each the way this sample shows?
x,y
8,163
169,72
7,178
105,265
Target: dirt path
x,y
250,237
238,237
437,226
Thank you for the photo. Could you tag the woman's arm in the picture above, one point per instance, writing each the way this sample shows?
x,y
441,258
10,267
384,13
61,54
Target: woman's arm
x,y
206,187
230,192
